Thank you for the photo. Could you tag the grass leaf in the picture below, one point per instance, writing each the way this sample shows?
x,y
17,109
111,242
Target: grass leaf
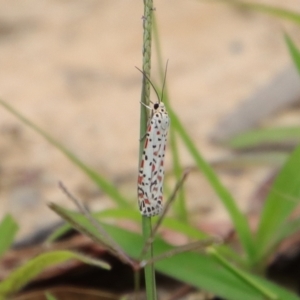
x,y
249,159
179,206
240,222
133,215
289,228
103,184
93,229
196,269
267,9
8,230
266,137
295,54
282,199
20,277
49,296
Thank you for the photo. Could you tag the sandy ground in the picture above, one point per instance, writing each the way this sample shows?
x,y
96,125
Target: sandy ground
x,y
69,67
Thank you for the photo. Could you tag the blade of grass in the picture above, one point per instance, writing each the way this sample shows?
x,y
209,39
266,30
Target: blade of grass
x,y
249,159
169,223
264,8
106,239
240,222
282,199
200,270
265,292
49,296
20,277
198,245
85,226
8,230
104,185
196,269
288,229
133,215
273,226
266,137
180,204
294,52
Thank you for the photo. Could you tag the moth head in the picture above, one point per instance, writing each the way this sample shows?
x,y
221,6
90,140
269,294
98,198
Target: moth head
x,y
159,105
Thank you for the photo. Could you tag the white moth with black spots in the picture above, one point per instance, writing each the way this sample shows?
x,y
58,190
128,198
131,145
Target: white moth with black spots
x,y
151,173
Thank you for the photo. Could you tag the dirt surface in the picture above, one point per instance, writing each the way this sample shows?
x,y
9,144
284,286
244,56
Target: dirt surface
x,y
69,67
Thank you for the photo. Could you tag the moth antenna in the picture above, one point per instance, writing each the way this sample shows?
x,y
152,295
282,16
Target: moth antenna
x,y
162,91
150,83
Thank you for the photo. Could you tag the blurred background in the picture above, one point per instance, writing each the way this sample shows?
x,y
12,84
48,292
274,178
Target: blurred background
x,y
69,66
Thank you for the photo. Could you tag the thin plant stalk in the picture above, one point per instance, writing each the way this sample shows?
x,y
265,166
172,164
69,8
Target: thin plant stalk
x,y
198,245
107,240
104,184
145,99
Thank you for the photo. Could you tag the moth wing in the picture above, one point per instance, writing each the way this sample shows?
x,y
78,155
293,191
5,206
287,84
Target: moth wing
x,y
150,183
145,172
159,147
165,122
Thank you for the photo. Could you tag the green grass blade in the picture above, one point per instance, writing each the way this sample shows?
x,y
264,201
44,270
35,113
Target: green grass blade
x,y
8,230
169,223
267,9
89,226
295,54
198,270
20,277
274,159
282,199
179,206
103,184
117,214
289,228
266,137
238,219
261,288
49,296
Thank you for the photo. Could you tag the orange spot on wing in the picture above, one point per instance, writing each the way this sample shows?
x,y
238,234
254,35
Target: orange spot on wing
x,y
140,179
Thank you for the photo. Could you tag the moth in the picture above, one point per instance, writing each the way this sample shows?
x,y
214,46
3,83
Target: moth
x,y
151,172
